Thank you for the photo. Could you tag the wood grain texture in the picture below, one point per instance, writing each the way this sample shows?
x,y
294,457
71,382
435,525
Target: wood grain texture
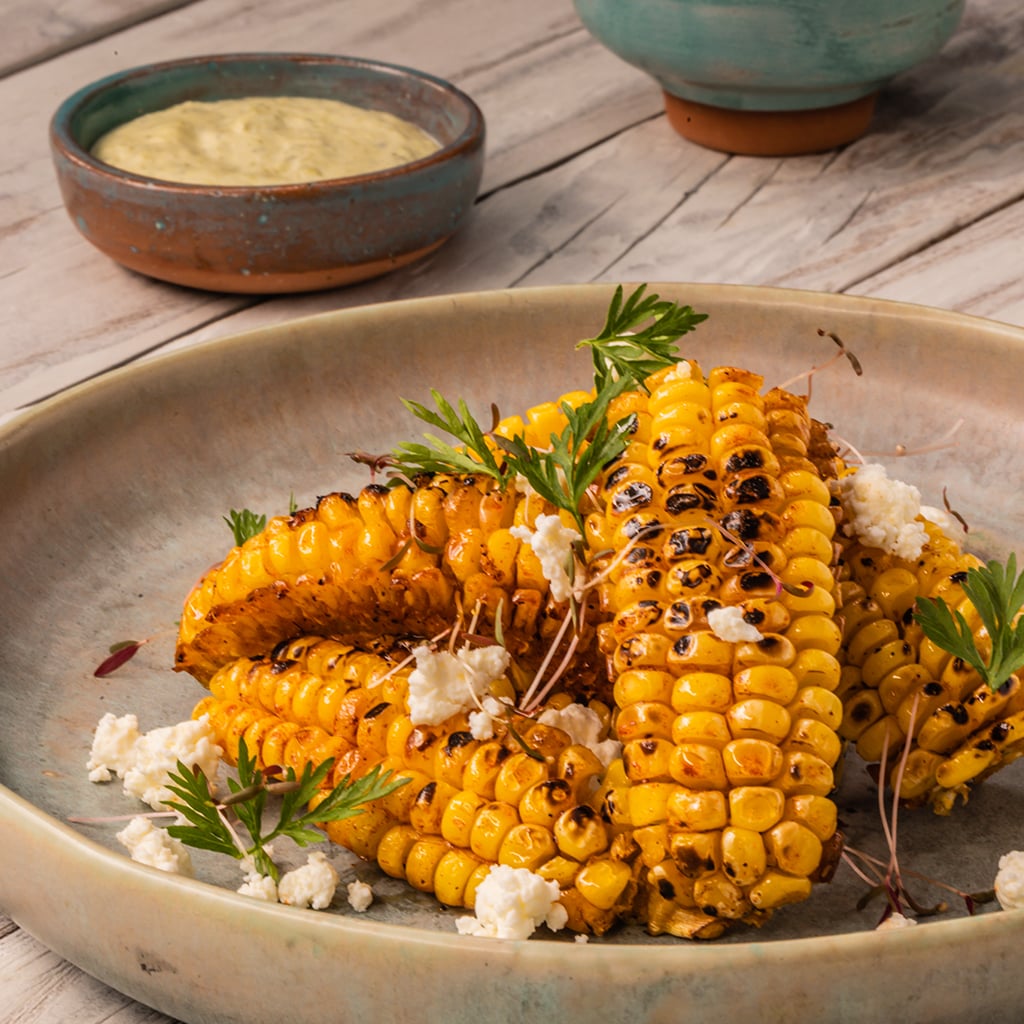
x,y
34,32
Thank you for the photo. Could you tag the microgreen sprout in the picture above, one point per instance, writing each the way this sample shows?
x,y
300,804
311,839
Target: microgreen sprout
x,y
210,828
997,593
244,524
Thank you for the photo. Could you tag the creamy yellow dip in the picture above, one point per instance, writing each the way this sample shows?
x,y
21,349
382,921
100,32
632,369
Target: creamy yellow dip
x,y
262,140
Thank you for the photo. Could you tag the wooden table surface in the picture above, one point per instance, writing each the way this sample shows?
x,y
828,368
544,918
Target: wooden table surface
x,y
585,181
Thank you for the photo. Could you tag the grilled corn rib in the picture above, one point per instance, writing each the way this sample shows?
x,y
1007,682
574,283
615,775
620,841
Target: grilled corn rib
x,y
729,741
468,804
399,560
896,681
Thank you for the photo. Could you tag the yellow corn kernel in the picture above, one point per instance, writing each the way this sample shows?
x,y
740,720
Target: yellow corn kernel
x,y
542,803
362,833
699,810
773,682
580,833
493,822
422,863
816,668
527,846
755,808
707,691
803,772
562,870
883,737
696,853
459,817
815,737
698,766
816,813
646,802
793,848
452,875
776,889
393,849
895,589
482,768
648,760
708,727
755,718
602,882
744,859
870,638
517,774
751,762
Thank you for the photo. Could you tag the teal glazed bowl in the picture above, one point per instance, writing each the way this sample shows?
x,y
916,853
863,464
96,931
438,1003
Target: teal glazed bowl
x,y
768,77
272,238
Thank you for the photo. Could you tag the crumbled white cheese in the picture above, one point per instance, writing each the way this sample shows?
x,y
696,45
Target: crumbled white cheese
x,y
552,544
511,903
443,684
481,723
1009,884
881,512
360,896
259,887
728,624
312,885
150,845
143,760
581,939
683,370
113,747
895,921
583,725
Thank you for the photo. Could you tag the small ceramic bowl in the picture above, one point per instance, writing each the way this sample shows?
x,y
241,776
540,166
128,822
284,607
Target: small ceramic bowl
x,y
771,77
273,238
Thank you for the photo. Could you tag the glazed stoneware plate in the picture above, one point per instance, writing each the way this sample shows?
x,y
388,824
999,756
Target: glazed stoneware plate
x,y
114,500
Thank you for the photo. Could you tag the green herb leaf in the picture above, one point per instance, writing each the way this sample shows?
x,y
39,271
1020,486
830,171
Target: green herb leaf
x,y
622,350
997,593
440,457
245,524
586,444
208,829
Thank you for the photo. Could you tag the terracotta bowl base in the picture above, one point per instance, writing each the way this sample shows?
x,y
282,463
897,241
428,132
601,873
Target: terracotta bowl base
x,y
770,132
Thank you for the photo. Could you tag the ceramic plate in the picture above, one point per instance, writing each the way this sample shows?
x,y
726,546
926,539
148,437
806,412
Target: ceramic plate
x,y
114,495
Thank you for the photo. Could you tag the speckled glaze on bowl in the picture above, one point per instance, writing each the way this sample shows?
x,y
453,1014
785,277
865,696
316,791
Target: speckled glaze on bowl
x,y
114,494
769,77
278,238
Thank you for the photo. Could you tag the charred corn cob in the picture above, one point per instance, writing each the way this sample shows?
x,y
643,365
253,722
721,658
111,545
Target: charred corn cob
x,y
400,560
897,683
518,798
722,645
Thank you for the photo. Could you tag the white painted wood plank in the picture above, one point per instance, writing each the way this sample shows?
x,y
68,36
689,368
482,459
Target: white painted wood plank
x,y
979,270
515,61
38,987
34,32
947,148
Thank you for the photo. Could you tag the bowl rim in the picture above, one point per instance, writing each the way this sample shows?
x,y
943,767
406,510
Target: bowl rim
x,y
66,147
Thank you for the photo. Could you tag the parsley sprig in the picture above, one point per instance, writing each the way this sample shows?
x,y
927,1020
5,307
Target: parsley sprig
x,y
623,358
440,457
587,442
209,827
997,593
622,351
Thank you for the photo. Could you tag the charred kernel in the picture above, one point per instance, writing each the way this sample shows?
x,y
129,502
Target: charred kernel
x,y
277,667
756,580
932,689
745,458
742,522
456,740
377,710
615,476
985,744
1000,731
687,497
666,889
694,541
633,496
749,491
